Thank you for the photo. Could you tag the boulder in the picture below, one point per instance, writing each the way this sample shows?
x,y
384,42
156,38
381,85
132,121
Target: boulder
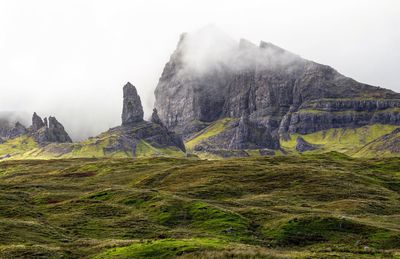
x,y
303,146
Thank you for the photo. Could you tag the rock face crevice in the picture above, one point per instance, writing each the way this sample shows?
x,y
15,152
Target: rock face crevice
x,y
280,93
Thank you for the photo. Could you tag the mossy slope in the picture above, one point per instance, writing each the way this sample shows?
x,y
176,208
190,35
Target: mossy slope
x,y
345,140
295,206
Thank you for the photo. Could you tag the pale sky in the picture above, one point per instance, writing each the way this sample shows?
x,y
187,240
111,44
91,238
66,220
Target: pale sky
x,y
71,58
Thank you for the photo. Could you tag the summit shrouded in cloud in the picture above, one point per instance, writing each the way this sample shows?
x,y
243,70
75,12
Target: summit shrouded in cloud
x,y
69,59
264,93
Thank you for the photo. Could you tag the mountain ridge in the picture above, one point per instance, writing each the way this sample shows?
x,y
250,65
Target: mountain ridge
x,y
277,93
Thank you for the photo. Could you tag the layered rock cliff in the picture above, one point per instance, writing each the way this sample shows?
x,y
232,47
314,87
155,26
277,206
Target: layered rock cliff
x,y
278,92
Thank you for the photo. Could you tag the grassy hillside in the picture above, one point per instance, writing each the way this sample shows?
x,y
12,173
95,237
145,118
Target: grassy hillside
x,y
347,141
308,206
384,146
25,147
214,129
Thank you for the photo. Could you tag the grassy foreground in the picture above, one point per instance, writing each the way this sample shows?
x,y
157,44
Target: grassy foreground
x,y
309,206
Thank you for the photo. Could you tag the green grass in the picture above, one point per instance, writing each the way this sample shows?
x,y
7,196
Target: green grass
x,y
305,206
348,141
165,248
26,148
385,146
144,149
214,129
18,146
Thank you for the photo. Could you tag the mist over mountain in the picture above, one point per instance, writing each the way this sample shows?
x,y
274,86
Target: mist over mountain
x,y
267,92
69,60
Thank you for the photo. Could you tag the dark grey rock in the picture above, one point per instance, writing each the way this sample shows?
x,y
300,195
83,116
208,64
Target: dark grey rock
x,y
56,132
134,129
240,138
155,118
275,88
5,156
267,152
37,122
16,131
132,111
303,146
48,131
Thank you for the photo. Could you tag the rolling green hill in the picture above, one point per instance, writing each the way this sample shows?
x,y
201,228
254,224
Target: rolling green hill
x,y
308,206
357,142
25,147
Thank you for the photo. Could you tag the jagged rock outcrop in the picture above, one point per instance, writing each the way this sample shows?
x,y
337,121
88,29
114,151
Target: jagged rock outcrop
x,y
135,131
5,127
303,146
16,131
132,111
56,132
43,131
37,122
48,130
281,92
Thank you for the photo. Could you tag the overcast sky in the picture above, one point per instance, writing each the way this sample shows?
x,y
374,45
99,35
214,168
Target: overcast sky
x,y
71,58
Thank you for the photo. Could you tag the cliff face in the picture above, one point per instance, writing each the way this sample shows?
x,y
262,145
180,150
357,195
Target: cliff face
x,y
278,92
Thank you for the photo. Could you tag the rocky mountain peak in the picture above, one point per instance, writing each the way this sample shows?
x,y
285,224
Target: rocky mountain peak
x,y
48,130
281,92
132,111
37,122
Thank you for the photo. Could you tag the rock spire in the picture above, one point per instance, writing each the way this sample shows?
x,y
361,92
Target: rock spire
x,y
132,111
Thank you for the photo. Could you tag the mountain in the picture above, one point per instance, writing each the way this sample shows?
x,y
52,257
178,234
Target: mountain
x,y
260,96
47,139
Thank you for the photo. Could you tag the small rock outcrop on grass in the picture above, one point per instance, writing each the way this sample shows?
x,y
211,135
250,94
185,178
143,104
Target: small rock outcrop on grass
x,y
303,146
